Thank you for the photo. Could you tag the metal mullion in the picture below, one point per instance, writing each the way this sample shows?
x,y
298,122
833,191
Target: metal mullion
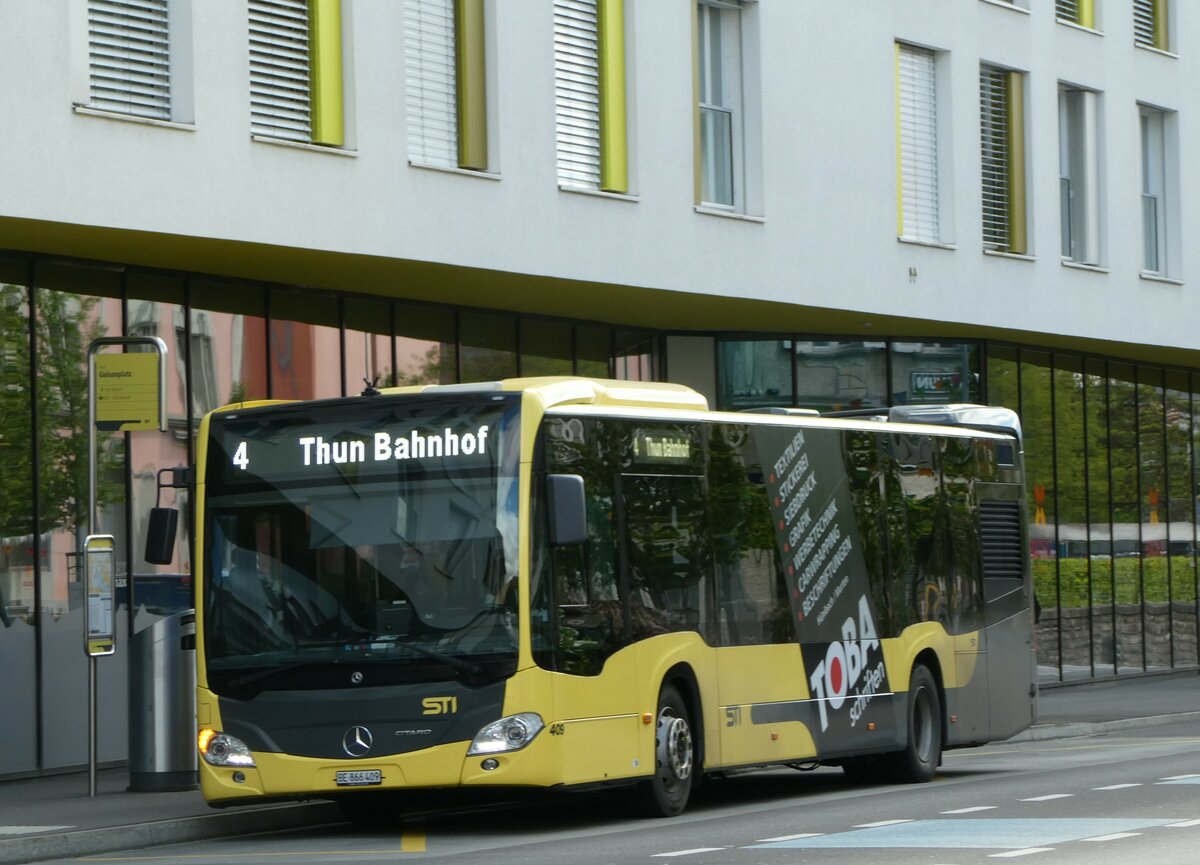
x,y
1166,463
392,331
1112,541
1054,479
1192,486
128,473
1087,522
343,372
1137,451
267,341
35,470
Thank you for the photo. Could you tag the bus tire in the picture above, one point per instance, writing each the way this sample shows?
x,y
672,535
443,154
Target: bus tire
x,y
666,793
919,760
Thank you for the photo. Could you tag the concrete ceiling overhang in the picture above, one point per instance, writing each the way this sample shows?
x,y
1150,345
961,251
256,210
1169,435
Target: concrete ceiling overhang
x,y
627,305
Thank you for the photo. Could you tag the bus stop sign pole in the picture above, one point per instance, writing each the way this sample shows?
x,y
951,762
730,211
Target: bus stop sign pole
x,y
126,391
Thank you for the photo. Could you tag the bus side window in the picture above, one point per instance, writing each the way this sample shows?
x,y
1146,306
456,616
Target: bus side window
x,y
963,576
590,624
751,591
670,559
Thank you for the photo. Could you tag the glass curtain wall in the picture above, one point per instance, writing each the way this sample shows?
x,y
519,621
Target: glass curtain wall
x,y
71,307
227,342
18,540
1111,464
843,375
1110,456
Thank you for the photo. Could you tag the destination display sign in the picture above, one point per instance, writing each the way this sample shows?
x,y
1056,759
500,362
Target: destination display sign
x,y
359,440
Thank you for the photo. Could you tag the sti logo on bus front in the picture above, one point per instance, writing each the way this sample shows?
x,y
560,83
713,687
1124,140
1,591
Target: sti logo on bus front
x,y
440,705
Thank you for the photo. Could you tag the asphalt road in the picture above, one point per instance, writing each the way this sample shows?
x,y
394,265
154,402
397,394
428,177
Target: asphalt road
x,y
1127,796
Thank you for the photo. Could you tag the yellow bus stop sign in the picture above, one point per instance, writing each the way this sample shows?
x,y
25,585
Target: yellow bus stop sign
x,y
127,391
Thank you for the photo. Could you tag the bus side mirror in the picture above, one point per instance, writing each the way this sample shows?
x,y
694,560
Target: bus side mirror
x,y
160,536
568,510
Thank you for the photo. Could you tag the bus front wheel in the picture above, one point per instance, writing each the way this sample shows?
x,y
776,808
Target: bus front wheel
x,y
919,760
666,793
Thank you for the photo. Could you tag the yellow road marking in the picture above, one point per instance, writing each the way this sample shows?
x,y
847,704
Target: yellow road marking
x,y
413,839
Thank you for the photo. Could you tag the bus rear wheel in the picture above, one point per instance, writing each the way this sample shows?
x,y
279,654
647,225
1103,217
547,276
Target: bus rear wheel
x,y
919,760
666,793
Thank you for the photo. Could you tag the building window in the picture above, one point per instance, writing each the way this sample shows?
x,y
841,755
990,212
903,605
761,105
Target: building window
x,y
129,57
1002,150
1081,12
1156,203
1150,21
917,140
719,31
1079,174
446,83
296,87
589,93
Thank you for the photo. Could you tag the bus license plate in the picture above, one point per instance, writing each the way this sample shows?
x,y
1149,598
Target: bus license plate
x,y
359,778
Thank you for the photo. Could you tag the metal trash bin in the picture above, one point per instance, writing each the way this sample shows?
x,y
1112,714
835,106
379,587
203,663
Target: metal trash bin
x,y
162,705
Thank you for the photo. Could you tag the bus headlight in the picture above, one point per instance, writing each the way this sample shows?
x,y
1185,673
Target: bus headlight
x,y
508,734
221,749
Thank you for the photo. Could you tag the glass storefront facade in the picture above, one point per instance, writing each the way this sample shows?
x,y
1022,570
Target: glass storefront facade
x,y
1111,454
227,341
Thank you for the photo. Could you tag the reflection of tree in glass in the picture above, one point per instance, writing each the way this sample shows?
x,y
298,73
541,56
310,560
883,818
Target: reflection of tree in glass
x,y
863,469
66,325
741,525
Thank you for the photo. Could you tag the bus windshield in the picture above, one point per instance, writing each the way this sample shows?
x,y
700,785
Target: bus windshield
x,y
381,534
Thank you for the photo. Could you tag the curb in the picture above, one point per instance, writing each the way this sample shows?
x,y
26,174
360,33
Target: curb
x,y
1043,732
88,842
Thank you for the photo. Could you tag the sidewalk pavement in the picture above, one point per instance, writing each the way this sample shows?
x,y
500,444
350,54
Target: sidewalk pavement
x,y
54,818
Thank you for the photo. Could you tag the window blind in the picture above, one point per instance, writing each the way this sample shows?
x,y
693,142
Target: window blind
x,y
994,153
917,117
431,86
1147,29
280,99
129,57
577,92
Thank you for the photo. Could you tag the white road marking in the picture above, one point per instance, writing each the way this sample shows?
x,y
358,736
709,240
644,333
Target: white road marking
x,y
1113,837
1049,797
1116,786
30,830
971,810
1181,777
789,837
1013,853
690,852
1184,824
881,823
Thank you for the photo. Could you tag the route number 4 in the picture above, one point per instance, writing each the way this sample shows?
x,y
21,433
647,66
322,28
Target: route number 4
x,y
239,457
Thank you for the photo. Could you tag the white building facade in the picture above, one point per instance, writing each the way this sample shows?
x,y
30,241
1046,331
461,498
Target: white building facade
x,y
774,201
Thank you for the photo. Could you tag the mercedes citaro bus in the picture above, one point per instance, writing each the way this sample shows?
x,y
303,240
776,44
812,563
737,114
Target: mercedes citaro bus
x,y
566,583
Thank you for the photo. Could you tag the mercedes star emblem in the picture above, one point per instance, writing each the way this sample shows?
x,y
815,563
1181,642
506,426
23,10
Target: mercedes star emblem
x,y
357,741
356,677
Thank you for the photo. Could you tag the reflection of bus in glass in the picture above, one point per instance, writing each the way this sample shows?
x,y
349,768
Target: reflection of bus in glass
x,y
566,583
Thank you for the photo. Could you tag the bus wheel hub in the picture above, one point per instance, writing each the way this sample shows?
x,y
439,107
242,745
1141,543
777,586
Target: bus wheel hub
x,y
677,747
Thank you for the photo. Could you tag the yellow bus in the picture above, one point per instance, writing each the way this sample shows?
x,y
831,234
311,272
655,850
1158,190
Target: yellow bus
x,y
566,583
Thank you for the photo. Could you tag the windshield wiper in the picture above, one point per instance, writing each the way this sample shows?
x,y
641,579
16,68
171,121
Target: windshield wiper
x,y
457,663
259,675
